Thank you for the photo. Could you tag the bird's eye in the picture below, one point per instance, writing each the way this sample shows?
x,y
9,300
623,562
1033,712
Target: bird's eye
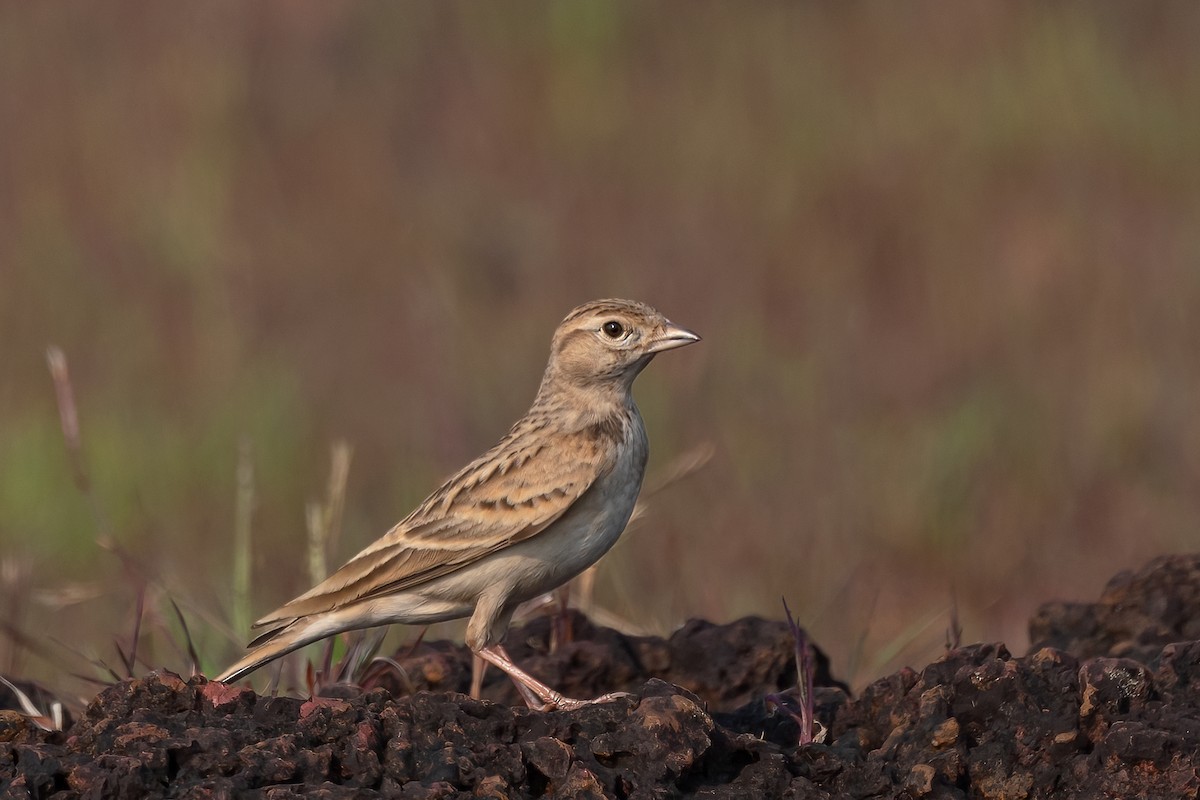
x,y
613,329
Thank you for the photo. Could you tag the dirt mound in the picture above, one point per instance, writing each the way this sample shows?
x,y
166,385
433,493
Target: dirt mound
x,y
976,723
727,665
1137,614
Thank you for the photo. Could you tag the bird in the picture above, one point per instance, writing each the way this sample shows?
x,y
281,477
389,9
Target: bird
x,y
546,502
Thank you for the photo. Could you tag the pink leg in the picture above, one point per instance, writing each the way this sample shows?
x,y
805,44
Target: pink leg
x,y
478,667
531,699
538,695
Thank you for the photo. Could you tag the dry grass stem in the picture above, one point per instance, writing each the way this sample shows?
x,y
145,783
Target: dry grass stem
x,y
242,537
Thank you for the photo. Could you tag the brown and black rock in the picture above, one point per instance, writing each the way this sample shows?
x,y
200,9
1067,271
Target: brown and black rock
x,y
1137,614
727,665
977,722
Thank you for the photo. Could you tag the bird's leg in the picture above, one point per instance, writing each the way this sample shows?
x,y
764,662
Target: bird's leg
x,y
560,622
478,667
538,695
531,699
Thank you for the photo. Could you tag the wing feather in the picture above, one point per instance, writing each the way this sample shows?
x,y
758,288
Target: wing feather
x,y
498,500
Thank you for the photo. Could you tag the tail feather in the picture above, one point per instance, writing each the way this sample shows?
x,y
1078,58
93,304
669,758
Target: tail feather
x,y
291,635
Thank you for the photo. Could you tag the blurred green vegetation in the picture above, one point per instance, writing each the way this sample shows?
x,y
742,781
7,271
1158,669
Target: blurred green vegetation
x,y
945,258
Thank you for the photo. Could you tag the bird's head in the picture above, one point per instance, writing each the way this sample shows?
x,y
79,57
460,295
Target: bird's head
x,y
608,342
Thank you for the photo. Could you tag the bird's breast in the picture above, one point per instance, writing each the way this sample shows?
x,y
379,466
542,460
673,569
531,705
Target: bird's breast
x,y
594,522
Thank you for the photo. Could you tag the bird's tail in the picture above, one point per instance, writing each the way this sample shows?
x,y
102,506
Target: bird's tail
x,y
291,635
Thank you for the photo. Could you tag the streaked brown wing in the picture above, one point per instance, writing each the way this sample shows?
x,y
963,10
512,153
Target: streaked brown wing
x,y
496,501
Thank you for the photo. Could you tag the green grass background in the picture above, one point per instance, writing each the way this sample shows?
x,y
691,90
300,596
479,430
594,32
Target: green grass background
x,y
945,258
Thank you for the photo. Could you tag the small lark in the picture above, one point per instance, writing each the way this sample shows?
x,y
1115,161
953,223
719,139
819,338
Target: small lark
x,y
528,515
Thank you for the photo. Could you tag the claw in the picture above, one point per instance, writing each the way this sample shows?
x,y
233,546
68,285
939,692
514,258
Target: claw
x,y
537,695
571,704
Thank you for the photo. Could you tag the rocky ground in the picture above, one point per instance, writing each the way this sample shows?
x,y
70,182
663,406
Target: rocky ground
x,y
1106,704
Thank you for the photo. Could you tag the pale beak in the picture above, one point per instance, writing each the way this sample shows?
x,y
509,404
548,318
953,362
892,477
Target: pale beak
x,y
672,336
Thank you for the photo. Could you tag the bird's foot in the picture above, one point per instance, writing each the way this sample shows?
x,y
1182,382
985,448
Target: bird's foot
x,y
561,703
536,694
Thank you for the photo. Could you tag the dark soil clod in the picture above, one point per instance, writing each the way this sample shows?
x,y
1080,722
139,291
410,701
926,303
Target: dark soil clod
x,y
1104,705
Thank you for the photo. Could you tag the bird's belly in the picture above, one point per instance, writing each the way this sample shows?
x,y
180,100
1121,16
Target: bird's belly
x,y
572,544
571,547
